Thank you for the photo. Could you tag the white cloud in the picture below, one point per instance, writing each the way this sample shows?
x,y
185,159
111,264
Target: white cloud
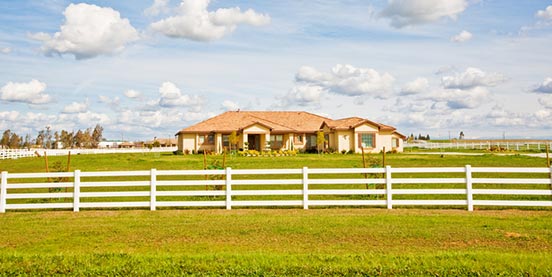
x,y
546,101
348,80
194,22
5,50
462,37
132,93
413,12
545,14
420,85
91,119
9,115
88,31
171,96
466,99
30,93
158,6
76,107
472,77
230,105
303,95
545,86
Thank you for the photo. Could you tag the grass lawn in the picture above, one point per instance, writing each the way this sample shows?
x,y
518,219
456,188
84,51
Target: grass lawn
x,y
168,161
277,242
268,242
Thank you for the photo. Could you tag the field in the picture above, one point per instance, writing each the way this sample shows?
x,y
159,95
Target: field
x,y
267,242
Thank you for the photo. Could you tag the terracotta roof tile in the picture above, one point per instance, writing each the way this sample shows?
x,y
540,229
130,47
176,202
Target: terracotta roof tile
x,y
277,121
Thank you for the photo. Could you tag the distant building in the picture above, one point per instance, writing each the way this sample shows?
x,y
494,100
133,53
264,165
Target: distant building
x,y
161,142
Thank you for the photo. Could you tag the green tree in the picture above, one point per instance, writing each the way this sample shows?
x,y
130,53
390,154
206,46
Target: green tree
x,y
233,139
320,140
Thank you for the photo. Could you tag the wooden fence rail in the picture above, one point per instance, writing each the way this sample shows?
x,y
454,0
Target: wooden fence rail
x,y
305,187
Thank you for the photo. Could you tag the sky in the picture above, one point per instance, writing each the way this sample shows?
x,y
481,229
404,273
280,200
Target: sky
x,y
148,68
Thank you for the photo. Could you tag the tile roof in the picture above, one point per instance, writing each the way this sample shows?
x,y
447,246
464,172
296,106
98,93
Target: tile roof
x,y
277,121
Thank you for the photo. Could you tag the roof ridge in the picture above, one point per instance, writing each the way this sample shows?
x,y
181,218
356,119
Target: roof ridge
x,y
282,125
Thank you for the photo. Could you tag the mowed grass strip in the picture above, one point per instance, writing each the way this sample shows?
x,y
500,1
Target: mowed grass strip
x,y
277,242
168,161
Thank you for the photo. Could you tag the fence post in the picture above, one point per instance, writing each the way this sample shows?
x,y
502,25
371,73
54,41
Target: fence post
x,y
228,188
469,187
305,188
76,191
388,187
153,189
3,191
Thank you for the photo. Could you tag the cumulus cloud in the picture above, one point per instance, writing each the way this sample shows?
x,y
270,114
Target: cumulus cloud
x,y
420,85
193,21
158,6
230,105
132,94
472,77
30,93
76,107
171,96
347,80
5,50
302,95
462,98
546,101
413,12
544,87
89,31
462,37
545,14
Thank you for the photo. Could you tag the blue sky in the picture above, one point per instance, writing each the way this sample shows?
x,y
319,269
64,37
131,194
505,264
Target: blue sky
x,y
150,68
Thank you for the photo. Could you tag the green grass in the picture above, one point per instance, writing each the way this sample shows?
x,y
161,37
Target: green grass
x,y
168,161
163,161
277,242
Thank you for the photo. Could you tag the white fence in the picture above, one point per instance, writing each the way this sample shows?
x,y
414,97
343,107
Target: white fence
x,y
22,153
306,187
483,145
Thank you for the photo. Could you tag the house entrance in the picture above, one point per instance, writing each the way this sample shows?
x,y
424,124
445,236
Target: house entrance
x,y
254,142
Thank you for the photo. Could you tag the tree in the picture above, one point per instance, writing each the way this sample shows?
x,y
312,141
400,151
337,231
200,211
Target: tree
x,y
97,135
15,141
5,141
320,140
233,139
66,139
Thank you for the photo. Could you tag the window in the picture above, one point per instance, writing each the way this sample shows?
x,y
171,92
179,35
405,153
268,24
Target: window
x,y
206,139
277,141
211,138
298,139
395,142
367,140
225,140
311,141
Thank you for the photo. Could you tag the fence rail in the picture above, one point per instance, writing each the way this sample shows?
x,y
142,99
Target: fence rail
x,y
306,187
24,153
484,145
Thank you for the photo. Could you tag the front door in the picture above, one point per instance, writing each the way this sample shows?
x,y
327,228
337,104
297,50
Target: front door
x,y
254,142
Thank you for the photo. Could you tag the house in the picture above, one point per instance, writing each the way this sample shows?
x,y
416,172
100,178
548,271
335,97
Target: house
x,y
161,142
286,130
